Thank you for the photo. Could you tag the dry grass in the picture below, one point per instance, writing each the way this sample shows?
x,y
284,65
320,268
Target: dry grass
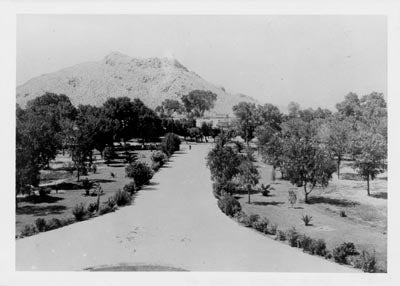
x,y
365,223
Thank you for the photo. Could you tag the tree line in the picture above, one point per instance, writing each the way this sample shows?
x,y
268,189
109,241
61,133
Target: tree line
x,y
51,123
309,145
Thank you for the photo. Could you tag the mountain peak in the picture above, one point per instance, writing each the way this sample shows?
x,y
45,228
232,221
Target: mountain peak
x,y
117,58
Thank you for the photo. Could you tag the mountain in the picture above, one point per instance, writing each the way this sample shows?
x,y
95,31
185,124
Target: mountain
x,y
152,80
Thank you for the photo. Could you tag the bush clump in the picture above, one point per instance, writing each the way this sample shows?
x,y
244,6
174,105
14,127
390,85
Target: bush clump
x,y
106,209
262,225
139,172
280,235
292,236
155,166
130,188
41,224
273,229
170,143
159,157
229,205
79,211
344,250
54,223
305,242
222,188
366,261
28,230
93,207
318,247
122,198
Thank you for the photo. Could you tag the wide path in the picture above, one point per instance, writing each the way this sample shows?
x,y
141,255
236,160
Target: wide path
x,y
173,222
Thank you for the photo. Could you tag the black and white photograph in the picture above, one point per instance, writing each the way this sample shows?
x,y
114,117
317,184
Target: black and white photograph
x,y
229,143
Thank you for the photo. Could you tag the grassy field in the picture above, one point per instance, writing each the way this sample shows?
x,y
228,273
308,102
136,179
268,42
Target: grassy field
x,y
67,192
365,223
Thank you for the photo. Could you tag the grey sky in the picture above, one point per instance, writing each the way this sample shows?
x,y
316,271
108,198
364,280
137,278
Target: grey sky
x,y
313,60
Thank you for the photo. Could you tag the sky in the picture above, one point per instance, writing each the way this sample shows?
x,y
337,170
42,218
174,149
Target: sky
x,y
312,60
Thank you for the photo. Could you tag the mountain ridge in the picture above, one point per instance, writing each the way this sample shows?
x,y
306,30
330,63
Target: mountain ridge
x,y
150,79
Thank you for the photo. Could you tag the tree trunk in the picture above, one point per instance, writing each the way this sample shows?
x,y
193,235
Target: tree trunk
x,y
273,173
338,167
305,194
248,191
77,174
368,185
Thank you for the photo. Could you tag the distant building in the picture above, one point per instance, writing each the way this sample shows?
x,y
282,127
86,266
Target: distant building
x,y
218,120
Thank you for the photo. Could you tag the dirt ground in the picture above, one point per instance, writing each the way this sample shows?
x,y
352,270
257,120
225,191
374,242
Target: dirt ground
x,y
174,223
365,223
69,193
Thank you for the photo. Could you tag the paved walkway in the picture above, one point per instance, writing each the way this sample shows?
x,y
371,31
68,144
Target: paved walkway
x,y
175,222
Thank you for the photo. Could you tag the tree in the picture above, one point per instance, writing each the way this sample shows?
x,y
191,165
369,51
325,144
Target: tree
x,y
168,107
148,125
268,114
206,129
370,151
197,102
170,143
223,162
247,119
270,146
248,175
195,133
307,164
350,106
294,109
336,136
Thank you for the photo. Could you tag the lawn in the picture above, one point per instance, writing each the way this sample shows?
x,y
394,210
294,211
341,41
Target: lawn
x,y
67,192
365,223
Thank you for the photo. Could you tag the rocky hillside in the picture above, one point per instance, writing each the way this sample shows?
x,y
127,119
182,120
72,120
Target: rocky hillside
x,y
152,80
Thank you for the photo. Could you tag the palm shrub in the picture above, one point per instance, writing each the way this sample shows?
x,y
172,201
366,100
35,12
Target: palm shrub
x,y
229,205
79,211
266,190
54,223
140,172
306,219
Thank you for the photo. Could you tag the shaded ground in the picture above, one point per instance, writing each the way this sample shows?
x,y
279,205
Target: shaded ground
x,y
365,223
174,222
66,192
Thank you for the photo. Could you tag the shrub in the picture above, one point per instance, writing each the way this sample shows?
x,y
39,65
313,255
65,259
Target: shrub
x,y
130,188
41,224
262,225
139,172
344,250
318,247
170,143
28,230
106,209
366,262
273,229
306,219
292,236
342,214
253,219
155,166
93,207
122,198
222,188
266,189
54,223
110,202
79,211
305,242
44,191
159,157
229,205
280,235
87,185
328,255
